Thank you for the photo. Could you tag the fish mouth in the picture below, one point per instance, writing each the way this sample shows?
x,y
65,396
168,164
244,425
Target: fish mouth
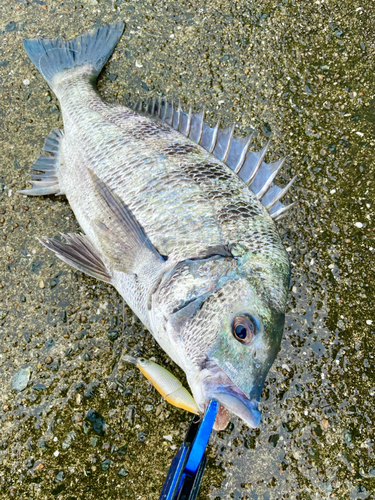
x,y
213,383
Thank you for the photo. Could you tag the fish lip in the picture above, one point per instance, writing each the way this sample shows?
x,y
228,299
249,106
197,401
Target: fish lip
x,y
213,383
239,404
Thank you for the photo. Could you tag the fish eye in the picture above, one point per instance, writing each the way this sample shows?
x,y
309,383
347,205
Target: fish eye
x,y
244,329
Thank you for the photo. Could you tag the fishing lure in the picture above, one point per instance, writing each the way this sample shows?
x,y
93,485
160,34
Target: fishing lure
x,y
165,383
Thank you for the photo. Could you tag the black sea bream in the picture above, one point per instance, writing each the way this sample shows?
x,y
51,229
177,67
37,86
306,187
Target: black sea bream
x,y
177,216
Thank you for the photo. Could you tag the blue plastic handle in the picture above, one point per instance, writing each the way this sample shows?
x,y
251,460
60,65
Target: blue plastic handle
x,y
187,467
201,438
174,476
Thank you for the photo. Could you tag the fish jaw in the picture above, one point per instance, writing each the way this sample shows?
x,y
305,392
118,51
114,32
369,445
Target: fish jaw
x,y
213,383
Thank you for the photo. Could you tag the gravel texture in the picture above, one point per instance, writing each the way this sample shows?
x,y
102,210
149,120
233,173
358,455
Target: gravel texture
x,y
88,426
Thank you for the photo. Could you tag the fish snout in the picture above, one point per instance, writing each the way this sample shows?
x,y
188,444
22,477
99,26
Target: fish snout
x,y
240,405
214,383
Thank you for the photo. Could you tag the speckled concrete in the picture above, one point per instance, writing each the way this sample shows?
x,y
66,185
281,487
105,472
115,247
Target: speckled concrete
x,y
299,71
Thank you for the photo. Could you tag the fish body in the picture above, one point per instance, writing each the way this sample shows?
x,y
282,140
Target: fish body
x,y
169,220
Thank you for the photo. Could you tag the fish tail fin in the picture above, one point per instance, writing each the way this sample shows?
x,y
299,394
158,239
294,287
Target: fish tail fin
x,y
52,56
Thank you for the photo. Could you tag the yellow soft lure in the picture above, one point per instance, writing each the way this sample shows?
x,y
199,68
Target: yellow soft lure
x,y
166,384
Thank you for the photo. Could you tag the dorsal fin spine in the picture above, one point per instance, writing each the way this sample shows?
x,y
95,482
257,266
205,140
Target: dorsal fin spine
x,y
170,120
188,125
281,194
270,180
201,127
172,114
164,116
226,153
242,158
159,107
214,137
259,164
281,213
153,102
179,115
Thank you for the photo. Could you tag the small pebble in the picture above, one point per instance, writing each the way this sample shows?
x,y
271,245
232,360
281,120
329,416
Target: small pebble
x,y
123,449
168,438
358,224
21,379
86,427
106,464
39,387
142,436
123,472
97,421
130,414
68,440
26,82
41,284
60,476
113,335
48,360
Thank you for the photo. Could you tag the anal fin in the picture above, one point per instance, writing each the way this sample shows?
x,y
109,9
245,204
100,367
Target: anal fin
x,y
79,252
46,180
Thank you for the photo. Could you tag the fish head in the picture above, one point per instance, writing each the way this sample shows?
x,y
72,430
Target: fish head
x,y
240,332
227,335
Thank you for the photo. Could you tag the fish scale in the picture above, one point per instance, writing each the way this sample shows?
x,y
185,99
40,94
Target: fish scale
x,y
178,216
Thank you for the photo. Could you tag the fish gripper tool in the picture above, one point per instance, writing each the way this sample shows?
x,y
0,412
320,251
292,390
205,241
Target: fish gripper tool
x,y
186,471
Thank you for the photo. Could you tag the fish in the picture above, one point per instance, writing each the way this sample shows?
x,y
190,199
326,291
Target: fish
x,y
165,383
178,216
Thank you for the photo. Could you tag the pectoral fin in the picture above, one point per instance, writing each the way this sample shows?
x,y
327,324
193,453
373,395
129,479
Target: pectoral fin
x,y
122,238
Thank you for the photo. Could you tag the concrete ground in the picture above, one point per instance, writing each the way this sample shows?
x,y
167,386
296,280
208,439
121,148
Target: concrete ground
x,y
298,71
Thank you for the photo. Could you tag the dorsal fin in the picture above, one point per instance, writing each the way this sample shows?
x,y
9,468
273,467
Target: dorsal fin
x,y
233,151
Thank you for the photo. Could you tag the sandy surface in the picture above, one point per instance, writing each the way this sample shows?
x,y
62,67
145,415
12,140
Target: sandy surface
x,y
298,71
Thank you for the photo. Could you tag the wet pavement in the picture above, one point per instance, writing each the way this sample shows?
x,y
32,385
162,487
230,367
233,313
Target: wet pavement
x,y
77,422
